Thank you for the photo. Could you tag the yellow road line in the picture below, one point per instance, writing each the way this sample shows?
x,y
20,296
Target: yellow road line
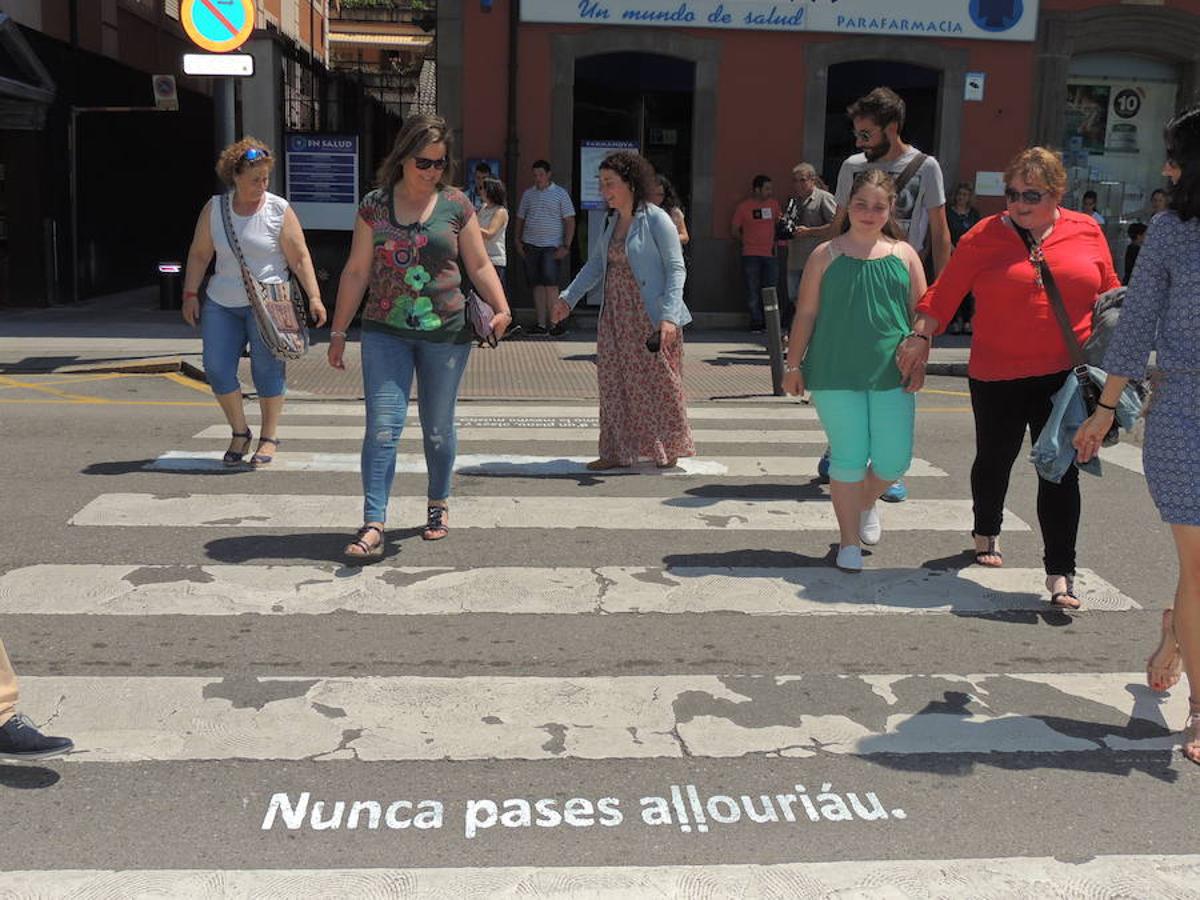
x,y
65,379
87,401
186,382
945,393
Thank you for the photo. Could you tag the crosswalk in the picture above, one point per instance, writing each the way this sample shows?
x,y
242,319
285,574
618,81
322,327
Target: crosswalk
x,y
580,686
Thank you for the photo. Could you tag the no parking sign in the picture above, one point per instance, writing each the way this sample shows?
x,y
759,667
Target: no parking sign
x,y
218,26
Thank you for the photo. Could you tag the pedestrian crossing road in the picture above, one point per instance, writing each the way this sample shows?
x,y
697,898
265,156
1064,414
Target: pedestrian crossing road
x,y
635,683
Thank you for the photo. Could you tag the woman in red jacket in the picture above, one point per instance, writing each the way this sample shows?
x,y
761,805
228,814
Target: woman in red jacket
x,y
1018,356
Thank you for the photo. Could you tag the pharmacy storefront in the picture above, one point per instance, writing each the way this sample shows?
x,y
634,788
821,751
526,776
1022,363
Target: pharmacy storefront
x,y
715,92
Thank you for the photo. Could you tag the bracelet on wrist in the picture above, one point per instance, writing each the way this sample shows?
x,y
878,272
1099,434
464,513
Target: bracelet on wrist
x,y
1106,406
918,336
787,370
340,334
190,294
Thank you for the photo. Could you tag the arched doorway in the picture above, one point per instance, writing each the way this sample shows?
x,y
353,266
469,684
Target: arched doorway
x,y
646,98
847,81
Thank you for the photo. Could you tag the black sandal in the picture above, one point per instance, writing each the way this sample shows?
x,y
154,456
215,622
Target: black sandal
x,y
259,460
435,523
990,551
235,459
370,552
1068,599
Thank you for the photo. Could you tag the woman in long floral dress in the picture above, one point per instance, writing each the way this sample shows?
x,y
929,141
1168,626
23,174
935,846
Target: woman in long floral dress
x,y
639,341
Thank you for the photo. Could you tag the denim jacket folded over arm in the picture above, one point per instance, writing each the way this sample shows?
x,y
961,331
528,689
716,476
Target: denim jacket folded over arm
x,y
1053,454
656,258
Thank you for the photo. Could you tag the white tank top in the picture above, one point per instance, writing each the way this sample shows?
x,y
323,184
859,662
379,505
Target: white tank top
x,y
258,235
494,246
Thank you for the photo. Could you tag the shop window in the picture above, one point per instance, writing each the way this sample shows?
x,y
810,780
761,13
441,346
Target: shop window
x,y
1117,105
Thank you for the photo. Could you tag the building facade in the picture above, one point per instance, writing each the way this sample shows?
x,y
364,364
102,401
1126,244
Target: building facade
x,y
97,182
717,92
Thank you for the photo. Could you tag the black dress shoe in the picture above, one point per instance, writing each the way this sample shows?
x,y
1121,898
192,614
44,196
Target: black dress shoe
x,y
19,739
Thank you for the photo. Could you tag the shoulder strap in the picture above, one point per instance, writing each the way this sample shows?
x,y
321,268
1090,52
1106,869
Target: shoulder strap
x,y
227,220
1056,300
910,170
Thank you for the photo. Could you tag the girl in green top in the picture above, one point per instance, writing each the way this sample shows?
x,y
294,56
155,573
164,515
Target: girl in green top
x,y
854,308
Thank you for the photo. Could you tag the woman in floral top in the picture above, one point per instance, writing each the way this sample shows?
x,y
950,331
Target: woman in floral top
x,y
408,238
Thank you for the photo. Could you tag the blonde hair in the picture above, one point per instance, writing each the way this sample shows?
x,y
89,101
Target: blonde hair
x,y
230,162
1039,166
886,183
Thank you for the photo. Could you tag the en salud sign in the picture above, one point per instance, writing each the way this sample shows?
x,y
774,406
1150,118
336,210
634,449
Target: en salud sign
x,y
1001,20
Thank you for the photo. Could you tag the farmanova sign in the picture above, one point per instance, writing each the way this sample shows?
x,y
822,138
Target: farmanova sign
x,y
1000,20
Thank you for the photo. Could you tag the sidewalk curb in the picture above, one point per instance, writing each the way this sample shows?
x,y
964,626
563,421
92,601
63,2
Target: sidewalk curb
x,y
156,366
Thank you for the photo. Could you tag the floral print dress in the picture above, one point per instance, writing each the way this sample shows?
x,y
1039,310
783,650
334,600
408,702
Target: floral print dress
x,y
643,411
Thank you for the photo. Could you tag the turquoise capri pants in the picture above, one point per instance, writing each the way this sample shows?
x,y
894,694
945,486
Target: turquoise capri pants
x,y
874,427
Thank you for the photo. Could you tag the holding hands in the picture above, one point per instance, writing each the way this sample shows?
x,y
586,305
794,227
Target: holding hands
x,y
911,358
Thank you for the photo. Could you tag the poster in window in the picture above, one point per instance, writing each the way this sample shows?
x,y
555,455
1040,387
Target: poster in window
x,y
1087,115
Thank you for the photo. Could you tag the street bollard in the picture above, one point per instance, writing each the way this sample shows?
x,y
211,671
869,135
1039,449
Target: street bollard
x,y
170,285
770,303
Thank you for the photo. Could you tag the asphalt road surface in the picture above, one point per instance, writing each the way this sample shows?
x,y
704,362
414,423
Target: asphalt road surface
x,y
624,684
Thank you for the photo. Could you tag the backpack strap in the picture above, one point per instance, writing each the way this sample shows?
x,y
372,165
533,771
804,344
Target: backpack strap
x,y
906,175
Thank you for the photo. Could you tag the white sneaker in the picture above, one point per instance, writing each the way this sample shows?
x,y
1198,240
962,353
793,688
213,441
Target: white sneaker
x,y
849,559
869,527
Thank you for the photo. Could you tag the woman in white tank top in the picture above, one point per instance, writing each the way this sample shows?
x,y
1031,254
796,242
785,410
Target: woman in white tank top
x,y
273,245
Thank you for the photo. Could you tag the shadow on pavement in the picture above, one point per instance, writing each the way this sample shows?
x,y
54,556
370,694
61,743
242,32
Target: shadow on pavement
x,y
28,778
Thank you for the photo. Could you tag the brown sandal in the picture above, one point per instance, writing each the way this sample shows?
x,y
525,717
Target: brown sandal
x,y
436,526
1164,666
1191,732
370,552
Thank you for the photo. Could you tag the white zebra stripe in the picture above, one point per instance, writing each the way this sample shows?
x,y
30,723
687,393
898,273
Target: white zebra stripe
x,y
130,590
528,466
270,511
1127,456
469,410
127,719
1096,876
510,433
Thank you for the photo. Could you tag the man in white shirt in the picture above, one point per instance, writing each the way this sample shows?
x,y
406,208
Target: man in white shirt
x,y
545,229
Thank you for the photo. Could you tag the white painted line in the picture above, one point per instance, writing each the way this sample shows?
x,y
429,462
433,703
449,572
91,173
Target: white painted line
x,y
270,511
467,411
515,433
1127,456
525,466
128,719
1096,876
131,590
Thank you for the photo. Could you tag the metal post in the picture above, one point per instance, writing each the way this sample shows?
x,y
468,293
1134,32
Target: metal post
x,y
223,112
774,338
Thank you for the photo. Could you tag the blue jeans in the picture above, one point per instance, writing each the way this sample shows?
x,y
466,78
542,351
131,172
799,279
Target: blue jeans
x,y
759,272
224,331
388,364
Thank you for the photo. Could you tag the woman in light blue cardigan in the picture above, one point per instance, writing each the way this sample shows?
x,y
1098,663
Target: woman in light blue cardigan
x,y
639,342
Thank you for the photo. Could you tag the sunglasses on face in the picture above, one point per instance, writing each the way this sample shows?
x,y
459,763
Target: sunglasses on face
x,y
424,162
1030,197
254,154
864,135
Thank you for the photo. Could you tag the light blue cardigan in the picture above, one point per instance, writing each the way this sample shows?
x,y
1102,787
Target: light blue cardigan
x,y
656,258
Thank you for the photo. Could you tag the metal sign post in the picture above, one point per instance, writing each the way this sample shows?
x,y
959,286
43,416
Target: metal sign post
x,y
220,26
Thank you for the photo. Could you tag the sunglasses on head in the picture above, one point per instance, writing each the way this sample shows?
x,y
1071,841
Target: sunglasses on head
x,y
256,153
1031,197
424,162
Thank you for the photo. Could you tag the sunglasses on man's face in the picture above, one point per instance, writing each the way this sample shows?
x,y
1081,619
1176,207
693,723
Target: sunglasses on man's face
x,y
1030,197
864,135
424,162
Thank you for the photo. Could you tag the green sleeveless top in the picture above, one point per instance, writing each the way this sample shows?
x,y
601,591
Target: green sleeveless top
x,y
862,320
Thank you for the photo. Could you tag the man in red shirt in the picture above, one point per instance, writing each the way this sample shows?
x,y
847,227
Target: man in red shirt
x,y
754,225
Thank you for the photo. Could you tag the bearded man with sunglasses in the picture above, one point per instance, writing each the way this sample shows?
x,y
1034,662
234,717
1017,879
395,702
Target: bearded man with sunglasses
x,y
1019,355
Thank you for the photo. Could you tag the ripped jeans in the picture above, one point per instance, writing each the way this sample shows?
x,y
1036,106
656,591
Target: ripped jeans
x,y
388,364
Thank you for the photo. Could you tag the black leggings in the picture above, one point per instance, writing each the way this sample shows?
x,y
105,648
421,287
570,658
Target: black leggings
x,y
1003,410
